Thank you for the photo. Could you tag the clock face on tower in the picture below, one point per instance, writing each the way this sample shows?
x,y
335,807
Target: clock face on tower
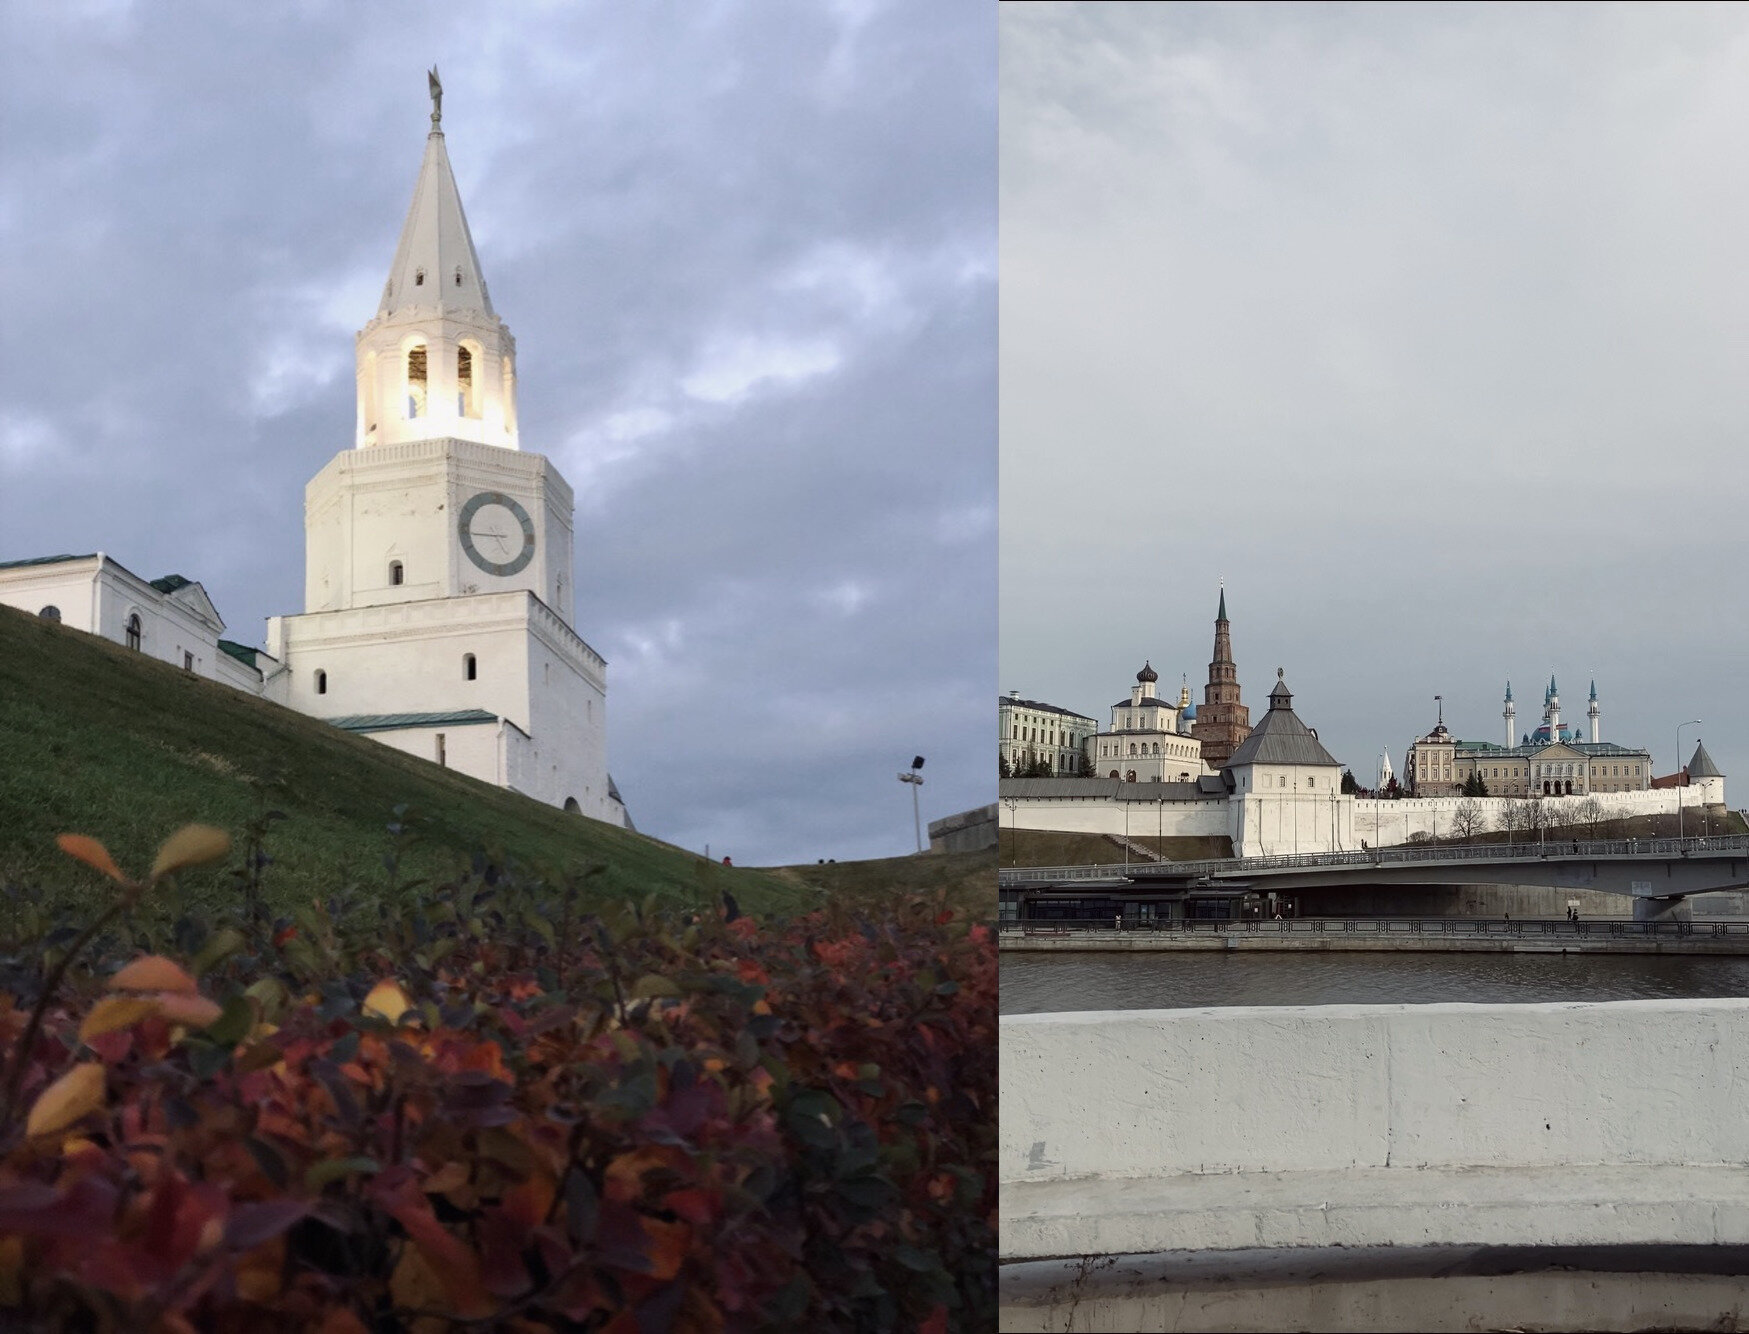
x,y
496,533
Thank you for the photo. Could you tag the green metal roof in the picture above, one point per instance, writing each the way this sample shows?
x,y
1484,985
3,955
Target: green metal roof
x,y
390,722
241,652
170,583
42,560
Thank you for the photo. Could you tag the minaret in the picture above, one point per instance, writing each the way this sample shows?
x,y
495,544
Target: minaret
x,y
1552,710
1222,722
436,362
1591,712
1511,716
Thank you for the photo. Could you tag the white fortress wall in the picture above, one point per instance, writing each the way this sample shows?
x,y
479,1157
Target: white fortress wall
x,y
1271,824
1206,818
1386,823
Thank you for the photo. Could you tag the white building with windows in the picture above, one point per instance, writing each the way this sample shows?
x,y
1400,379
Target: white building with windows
x,y
1149,740
171,619
1033,733
438,610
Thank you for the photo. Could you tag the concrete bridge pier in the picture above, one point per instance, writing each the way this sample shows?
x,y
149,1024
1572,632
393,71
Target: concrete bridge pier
x,y
1673,909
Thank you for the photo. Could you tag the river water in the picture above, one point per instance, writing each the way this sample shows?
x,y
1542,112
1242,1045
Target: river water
x,y
1036,983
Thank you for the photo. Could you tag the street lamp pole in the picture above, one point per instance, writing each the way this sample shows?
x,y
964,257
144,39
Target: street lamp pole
x,y
1693,722
915,778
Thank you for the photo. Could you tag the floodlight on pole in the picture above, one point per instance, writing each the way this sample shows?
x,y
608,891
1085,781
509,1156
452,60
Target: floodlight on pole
x,y
915,778
1692,722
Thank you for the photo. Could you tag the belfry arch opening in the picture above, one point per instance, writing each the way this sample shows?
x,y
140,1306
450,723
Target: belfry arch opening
x,y
467,396
416,382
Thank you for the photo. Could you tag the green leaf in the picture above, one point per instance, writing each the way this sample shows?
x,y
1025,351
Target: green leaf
x,y
651,985
234,1023
219,946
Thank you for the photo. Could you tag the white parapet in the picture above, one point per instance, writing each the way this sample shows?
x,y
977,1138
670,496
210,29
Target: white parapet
x,y
1375,1125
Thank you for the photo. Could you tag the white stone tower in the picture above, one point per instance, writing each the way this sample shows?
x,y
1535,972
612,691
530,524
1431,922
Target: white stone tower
x,y
1592,712
1552,709
437,584
1511,716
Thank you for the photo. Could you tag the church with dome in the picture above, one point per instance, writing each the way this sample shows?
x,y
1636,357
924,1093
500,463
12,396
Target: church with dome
x,y
439,611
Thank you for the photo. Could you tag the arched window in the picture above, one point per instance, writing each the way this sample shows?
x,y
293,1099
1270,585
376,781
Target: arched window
x,y
572,806
397,575
134,630
469,667
416,381
51,613
1132,748
418,277
1114,773
321,682
1130,777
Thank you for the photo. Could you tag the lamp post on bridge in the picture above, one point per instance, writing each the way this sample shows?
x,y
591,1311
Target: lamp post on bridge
x,y
1693,722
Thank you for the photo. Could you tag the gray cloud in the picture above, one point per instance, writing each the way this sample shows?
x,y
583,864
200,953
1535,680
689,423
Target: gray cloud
x,y
1422,327
748,256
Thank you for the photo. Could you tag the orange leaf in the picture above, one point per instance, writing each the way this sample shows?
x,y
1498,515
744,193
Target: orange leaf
x,y
115,1012
191,845
84,848
189,1011
153,972
668,1246
387,1000
75,1094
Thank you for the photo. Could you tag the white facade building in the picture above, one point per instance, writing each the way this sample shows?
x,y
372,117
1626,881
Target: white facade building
x,y
1149,740
1032,732
170,619
437,601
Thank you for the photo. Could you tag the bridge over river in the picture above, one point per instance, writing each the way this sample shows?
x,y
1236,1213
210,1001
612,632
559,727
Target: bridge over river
x,y
1655,873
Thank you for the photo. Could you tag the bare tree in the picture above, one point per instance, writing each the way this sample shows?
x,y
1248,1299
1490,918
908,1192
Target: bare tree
x,y
1538,818
1468,819
1590,811
1514,819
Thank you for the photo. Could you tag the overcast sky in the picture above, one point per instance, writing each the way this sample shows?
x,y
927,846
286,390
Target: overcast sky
x,y
1426,328
748,255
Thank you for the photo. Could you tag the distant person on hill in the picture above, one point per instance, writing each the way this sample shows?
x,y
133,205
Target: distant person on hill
x,y
727,862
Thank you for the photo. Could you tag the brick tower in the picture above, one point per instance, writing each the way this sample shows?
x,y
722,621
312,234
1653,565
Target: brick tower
x,y
1222,722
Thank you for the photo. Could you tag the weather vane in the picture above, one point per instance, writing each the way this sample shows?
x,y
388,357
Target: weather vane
x,y
436,95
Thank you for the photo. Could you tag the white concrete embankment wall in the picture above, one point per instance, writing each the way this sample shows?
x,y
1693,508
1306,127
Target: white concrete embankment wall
x,y
1144,1131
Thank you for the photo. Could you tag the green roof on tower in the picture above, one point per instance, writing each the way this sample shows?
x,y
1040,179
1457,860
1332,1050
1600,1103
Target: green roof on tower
x,y
1221,615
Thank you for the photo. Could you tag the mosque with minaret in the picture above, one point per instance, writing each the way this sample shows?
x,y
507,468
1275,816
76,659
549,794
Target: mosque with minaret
x,y
1554,759
439,609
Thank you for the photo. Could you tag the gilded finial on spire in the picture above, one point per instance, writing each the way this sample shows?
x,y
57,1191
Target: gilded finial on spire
x,y
436,96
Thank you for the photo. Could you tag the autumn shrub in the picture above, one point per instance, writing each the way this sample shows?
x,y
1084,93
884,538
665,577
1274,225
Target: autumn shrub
x,y
495,1110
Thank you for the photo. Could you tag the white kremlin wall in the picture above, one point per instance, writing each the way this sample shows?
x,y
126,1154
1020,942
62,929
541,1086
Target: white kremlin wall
x,y
1296,822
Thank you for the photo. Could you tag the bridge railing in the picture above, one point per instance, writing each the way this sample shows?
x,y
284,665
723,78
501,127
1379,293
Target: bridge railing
x,y
1542,849
1606,928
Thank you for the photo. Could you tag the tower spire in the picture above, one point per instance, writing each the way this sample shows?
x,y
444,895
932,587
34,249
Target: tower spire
x,y
435,261
436,362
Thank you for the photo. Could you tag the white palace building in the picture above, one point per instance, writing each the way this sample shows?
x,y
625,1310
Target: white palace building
x,y
438,604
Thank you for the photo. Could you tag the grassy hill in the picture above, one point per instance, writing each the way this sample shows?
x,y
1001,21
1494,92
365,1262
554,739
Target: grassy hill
x,y
100,740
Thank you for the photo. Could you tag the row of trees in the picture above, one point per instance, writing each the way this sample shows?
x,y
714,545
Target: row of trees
x,y
1526,818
